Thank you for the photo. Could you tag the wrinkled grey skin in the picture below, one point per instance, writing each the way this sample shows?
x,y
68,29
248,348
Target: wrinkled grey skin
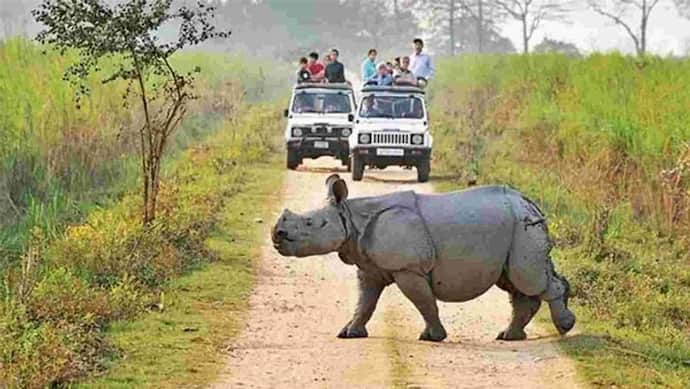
x,y
449,247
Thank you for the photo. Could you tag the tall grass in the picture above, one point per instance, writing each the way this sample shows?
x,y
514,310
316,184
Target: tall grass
x,y
58,161
600,142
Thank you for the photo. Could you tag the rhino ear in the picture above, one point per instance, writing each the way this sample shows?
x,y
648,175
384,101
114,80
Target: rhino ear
x,y
337,189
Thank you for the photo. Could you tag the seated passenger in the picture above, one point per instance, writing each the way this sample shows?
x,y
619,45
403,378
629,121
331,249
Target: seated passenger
x,y
405,75
316,68
382,77
303,74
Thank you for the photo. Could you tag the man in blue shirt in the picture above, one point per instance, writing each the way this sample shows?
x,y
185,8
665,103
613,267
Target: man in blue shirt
x,y
369,66
420,63
382,77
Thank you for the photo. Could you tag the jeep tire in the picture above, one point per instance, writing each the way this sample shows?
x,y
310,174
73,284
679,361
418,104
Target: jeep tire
x,y
293,159
357,168
346,161
423,170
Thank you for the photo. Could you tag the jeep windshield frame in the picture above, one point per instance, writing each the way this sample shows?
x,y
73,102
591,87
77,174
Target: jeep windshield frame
x,y
392,106
322,101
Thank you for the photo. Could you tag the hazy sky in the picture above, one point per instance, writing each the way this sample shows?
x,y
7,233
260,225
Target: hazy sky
x,y
667,32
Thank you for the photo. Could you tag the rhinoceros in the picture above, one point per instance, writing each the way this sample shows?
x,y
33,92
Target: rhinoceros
x,y
451,247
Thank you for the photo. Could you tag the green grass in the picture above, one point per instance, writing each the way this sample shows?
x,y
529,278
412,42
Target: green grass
x,y
588,139
183,345
58,162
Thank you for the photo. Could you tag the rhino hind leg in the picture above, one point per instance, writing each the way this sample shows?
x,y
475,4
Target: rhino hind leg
x,y
524,309
416,288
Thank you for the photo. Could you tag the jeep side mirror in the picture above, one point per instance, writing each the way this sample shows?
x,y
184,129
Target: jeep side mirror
x,y
286,113
350,118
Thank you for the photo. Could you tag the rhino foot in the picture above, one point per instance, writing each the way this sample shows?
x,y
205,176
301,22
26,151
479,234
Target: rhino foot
x,y
511,335
565,322
351,333
433,334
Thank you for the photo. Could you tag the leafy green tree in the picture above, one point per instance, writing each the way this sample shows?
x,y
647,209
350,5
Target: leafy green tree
x,y
127,33
556,46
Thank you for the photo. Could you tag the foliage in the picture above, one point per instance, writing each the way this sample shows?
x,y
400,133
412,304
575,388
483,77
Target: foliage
x,y
555,46
597,141
58,162
111,267
126,32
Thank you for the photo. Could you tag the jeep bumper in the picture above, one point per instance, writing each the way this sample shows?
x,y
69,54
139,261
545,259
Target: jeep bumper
x,y
382,156
319,147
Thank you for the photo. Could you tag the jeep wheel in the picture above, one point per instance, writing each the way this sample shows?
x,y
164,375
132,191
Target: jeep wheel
x,y
347,163
423,169
357,168
292,159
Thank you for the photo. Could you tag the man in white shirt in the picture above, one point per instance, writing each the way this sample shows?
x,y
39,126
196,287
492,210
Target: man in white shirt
x,y
420,63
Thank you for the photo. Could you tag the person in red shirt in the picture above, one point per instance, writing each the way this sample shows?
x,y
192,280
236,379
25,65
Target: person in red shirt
x,y
316,68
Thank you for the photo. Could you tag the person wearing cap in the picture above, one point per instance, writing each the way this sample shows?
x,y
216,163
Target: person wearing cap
x,y
382,77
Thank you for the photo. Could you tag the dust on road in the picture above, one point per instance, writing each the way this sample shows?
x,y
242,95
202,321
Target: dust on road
x,y
299,305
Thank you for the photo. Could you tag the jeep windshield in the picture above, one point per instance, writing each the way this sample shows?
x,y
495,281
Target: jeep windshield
x,y
392,107
321,102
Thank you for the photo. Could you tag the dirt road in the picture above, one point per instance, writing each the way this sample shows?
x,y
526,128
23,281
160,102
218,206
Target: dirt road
x,y
299,306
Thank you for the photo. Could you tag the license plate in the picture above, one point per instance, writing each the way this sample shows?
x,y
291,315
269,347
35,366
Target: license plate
x,y
321,145
390,152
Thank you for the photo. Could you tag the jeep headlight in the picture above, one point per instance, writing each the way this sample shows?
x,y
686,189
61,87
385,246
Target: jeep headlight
x,y
297,132
417,139
364,139
346,132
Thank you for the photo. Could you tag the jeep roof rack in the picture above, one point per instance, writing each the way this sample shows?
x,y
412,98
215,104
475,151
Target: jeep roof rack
x,y
393,89
323,85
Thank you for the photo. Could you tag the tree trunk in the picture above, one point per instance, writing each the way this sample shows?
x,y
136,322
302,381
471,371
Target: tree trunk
x,y
642,49
525,38
480,26
451,27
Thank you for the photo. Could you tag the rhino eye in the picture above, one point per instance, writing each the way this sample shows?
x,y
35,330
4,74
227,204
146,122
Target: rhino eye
x,y
323,223
309,222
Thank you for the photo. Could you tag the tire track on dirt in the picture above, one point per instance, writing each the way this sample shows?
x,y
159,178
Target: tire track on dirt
x,y
299,305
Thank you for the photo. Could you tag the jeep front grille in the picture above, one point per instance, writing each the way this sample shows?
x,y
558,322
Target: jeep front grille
x,y
390,138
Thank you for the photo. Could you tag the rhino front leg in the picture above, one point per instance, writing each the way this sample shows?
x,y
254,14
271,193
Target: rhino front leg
x,y
556,296
370,290
416,288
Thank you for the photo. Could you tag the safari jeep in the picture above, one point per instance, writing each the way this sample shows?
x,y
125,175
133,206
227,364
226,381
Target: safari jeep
x,y
319,122
391,128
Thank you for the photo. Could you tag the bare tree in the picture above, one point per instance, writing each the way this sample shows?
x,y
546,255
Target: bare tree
x,y
683,7
446,13
484,13
531,14
619,10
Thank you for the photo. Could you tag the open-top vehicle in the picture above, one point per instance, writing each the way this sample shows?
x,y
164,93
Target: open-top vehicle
x,y
319,122
391,128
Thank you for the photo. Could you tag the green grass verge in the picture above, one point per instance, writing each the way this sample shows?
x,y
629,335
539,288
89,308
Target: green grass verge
x,y
182,345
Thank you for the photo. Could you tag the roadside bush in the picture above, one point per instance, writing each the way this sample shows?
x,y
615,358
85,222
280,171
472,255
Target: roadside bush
x,y
112,268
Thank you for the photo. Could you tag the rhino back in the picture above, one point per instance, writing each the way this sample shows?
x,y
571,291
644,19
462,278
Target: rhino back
x,y
472,232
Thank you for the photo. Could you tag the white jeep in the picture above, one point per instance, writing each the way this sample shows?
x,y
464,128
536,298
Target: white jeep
x,y
391,128
319,122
